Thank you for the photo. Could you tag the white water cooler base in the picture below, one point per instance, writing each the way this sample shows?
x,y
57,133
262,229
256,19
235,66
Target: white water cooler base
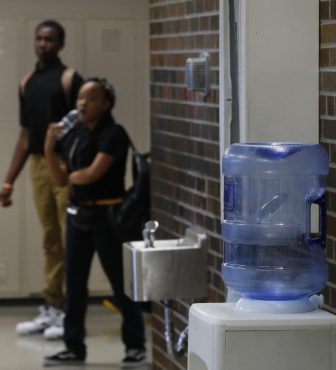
x,y
222,338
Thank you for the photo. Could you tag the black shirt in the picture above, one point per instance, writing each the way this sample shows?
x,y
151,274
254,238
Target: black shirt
x,y
44,101
80,147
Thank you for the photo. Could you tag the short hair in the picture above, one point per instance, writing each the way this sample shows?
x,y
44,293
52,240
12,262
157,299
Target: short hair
x,y
56,26
107,87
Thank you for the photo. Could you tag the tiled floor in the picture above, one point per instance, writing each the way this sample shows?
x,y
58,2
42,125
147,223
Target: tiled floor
x,y
105,349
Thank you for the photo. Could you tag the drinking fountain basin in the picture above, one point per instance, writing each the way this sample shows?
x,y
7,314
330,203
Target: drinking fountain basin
x,y
171,269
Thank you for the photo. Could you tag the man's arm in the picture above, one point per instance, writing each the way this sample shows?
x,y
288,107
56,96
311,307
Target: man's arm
x,y
19,158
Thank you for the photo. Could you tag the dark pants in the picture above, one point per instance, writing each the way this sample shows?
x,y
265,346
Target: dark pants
x,y
80,247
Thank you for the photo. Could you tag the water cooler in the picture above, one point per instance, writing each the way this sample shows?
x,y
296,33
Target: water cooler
x,y
274,261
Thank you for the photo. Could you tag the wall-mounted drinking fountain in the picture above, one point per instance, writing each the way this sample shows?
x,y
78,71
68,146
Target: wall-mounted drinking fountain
x,y
166,269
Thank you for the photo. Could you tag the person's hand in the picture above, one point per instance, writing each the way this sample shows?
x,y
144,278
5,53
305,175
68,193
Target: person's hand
x,y
5,195
54,133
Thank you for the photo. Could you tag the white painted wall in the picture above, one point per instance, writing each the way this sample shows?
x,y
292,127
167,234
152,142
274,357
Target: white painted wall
x,y
278,70
105,38
280,57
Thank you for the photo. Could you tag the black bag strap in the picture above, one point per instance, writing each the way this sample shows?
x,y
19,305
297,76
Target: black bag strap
x,y
131,144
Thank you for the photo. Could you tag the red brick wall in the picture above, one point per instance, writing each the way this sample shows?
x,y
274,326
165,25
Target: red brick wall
x,y
328,131
185,143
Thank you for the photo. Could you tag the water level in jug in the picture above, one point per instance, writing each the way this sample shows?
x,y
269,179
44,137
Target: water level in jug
x,y
278,272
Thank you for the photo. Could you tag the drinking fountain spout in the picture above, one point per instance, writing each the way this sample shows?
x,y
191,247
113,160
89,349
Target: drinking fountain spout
x,y
148,233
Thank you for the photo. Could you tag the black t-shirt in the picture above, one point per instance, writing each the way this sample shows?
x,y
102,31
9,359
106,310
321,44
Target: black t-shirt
x,y
44,101
80,147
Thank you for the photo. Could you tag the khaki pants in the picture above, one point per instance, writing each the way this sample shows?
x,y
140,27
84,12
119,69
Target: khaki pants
x,y
51,202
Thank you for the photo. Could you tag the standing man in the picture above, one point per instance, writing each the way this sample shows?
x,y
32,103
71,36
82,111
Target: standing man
x,y
46,95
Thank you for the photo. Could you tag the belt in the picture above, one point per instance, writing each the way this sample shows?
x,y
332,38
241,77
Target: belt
x,y
101,202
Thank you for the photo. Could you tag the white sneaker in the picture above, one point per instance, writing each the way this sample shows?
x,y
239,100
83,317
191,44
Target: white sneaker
x,y
55,331
47,316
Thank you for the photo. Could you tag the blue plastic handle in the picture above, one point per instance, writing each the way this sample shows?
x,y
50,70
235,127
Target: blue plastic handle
x,y
316,198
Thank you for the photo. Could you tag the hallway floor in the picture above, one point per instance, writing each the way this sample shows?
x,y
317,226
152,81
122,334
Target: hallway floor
x,y
105,349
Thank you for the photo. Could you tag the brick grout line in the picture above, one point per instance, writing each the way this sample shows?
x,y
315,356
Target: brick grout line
x,y
191,208
159,3
183,34
186,119
178,69
328,69
327,93
202,194
183,51
190,191
330,45
327,22
173,135
185,16
185,102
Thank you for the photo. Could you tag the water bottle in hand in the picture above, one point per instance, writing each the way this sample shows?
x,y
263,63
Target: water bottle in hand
x,y
68,121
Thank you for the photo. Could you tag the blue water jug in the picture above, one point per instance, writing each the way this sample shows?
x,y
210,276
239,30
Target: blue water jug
x,y
270,250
